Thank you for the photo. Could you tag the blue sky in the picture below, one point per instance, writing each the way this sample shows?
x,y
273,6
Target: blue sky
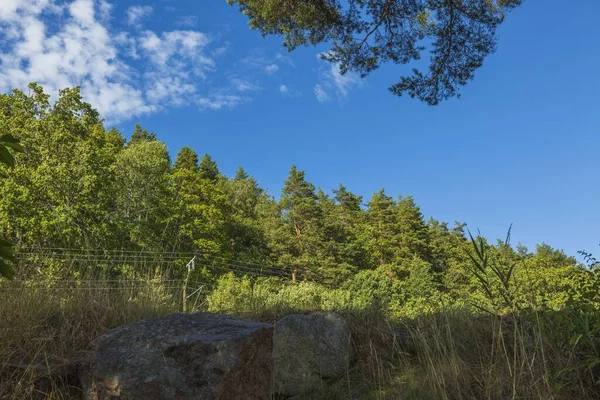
x,y
520,146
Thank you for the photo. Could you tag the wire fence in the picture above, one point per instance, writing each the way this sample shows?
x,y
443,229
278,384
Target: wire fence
x,y
100,260
182,280
184,277
96,262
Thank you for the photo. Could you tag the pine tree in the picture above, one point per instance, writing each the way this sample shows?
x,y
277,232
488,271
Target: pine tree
x,y
366,34
208,168
240,174
302,219
247,235
348,201
140,135
186,159
199,215
412,232
341,252
381,235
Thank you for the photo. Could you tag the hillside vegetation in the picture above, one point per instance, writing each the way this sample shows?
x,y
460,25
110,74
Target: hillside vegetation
x,y
109,231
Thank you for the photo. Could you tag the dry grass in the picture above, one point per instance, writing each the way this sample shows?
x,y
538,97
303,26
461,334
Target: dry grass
x,y
461,356
43,328
445,356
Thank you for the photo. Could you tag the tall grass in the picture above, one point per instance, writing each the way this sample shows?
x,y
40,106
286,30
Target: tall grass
x,y
498,349
44,327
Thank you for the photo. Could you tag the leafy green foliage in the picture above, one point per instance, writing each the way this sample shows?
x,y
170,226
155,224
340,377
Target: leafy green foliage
x,y
366,34
591,261
6,255
494,276
80,186
8,143
82,191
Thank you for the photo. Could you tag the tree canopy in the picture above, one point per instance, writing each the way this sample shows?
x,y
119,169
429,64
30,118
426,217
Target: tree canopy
x,y
81,186
364,34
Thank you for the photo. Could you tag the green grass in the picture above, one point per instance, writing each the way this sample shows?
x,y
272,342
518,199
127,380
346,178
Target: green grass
x,y
449,354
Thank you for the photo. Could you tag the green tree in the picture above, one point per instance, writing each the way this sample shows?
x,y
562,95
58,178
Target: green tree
x,y
447,247
199,215
247,234
341,251
368,33
381,231
333,265
8,143
208,168
301,222
413,238
140,135
142,178
240,174
60,192
348,201
187,158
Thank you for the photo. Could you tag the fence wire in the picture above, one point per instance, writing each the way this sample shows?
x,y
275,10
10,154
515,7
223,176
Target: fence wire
x,y
76,269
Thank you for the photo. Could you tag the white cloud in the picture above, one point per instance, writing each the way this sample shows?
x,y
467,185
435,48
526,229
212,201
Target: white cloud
x,y
287,91
285,59
255,60
343,83
219,101
321,94
187,21
333,82
242,85
104,10
83,11
271,69
176,49
79,52
137,13
219,51
121,74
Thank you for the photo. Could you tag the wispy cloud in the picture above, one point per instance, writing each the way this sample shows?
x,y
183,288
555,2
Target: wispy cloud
x,y
259,60
220,101
242,85
136,14
332,81
285,60
287,91
271,69
321,93
123,74
188,21
255,60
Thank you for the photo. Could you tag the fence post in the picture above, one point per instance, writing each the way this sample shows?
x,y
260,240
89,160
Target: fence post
x,y
190,266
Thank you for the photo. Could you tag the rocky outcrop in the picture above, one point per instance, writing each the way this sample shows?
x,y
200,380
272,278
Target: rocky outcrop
x,y
308,349
182,356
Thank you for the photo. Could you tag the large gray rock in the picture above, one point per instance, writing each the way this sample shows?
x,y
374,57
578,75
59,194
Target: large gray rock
x,y
308,349
182,356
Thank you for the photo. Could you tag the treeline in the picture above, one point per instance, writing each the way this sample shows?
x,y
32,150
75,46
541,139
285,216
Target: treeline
x,y
80,186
